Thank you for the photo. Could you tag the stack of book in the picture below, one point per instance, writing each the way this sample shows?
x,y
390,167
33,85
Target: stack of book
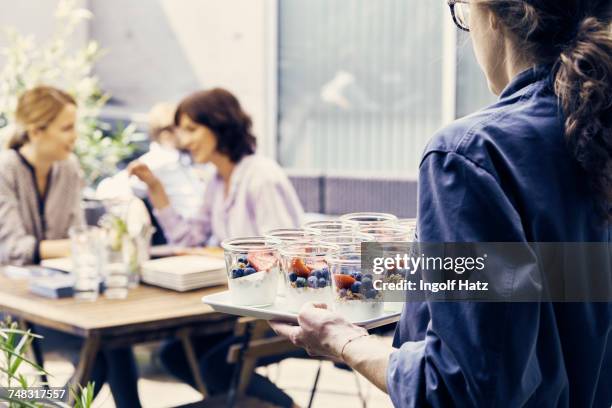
x,y
182,273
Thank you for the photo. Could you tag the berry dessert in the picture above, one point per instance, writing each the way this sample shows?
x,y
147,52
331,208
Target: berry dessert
x,y
252,272
307,283
356,299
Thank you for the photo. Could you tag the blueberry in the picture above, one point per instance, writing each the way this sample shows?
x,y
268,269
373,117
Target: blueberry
x,y
312,282
242,259
292,276
300,282
237,273
249,271
371,293
318,273
368,275
355,287
342,293
356,275
322,283
366,283
325,274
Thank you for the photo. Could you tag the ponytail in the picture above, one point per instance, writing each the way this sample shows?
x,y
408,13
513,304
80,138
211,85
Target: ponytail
x,y
17,139
576,37
583,84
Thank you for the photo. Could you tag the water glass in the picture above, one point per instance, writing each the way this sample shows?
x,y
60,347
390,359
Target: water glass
x,y
88,258
135,252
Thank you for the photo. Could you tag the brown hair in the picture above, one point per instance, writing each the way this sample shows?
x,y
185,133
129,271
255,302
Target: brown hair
x,y
220,111
37,107
576,37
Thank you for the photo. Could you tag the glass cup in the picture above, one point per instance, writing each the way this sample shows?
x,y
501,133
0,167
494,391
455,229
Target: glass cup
x,y
306,273
346,242
370,219
88,261
285,236
410,224
135,252
252,270
391,234
115,273
331,227
288,235
355,297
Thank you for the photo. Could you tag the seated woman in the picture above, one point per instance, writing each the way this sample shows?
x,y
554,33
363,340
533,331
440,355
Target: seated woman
x,y
249,195
40,194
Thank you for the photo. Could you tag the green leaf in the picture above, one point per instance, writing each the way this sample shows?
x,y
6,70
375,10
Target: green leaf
x,y
19,356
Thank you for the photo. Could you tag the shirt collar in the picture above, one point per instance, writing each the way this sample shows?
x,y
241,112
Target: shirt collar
x,y
526,78
236,178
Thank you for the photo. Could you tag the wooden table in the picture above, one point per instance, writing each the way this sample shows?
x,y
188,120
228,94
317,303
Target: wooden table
x,y
149,313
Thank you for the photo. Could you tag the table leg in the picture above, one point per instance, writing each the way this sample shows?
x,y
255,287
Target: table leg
x,y
82,373
232,394
185,336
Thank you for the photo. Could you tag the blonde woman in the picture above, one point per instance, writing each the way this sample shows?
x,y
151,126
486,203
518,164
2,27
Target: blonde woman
x,y
40,191
40,184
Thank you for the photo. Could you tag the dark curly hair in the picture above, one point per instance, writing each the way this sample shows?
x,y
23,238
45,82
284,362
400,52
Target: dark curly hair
x,y
220,111
576,37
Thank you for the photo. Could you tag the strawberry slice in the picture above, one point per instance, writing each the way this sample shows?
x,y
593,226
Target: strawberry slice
x,y
300,268
344,281
261,261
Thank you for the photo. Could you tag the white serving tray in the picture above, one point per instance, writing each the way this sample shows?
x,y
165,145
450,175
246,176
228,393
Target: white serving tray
x,y
221,302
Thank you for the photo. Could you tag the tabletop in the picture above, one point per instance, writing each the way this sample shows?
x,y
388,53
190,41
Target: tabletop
x,y
145,306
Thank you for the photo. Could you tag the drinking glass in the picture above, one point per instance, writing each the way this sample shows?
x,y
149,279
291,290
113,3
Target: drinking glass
x,y
370,219
88,258
355,297
252,270
306,273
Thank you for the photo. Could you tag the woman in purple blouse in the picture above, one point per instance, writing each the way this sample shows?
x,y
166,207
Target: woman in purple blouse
x,y
249,195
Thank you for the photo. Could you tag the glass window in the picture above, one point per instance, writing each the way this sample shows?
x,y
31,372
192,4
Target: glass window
x,y
359,83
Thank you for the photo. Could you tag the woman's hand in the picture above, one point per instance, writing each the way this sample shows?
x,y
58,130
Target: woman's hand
x,y
326,334
144,173
157,193
320,331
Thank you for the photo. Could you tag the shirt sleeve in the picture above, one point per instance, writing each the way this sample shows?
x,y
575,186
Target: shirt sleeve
x,y
192,231
474,353
275,205
16,246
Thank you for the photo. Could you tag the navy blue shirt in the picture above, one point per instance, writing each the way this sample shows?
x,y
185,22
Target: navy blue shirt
x,y
504,174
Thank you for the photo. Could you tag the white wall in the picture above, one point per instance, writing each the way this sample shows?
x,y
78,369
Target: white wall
x,y
33,17
165,49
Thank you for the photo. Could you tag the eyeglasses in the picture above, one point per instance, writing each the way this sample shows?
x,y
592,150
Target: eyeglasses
x,y
460,10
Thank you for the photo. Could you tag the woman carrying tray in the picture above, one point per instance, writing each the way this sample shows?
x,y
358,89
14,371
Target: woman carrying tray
x,y
536,166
